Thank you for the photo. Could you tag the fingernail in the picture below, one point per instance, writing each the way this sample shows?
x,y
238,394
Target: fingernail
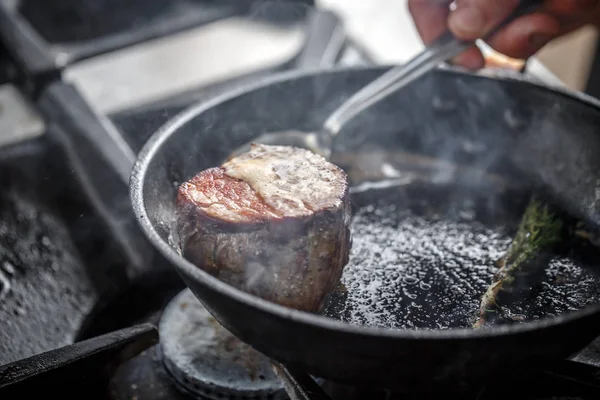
x,y
466,21
538,40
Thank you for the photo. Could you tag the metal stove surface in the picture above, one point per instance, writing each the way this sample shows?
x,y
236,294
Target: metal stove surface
x,y
62,254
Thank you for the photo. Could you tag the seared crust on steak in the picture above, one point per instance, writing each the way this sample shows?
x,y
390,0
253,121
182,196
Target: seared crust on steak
x,y
273,222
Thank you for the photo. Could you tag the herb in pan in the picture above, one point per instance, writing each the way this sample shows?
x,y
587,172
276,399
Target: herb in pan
x,y
539,229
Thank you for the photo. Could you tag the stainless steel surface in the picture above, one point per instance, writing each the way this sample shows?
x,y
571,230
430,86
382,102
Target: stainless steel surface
x,y
325,42
163,67
18,119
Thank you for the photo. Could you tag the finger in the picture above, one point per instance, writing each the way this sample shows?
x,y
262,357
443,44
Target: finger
x,y
573,14
474,18
430,17
526,36
471,59
569,10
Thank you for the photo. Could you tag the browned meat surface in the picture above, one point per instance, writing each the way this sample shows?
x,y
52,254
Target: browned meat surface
x,y
273,222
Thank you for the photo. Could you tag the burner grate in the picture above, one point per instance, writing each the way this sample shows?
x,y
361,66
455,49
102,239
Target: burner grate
x,y
78,30
206,360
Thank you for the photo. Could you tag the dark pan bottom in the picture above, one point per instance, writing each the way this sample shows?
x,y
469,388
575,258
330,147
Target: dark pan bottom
x,y
423,254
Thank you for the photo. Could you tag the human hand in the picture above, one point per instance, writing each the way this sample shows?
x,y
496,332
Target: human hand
x,y
522,38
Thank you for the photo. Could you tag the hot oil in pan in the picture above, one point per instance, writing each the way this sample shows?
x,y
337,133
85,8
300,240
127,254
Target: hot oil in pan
x,y
423,255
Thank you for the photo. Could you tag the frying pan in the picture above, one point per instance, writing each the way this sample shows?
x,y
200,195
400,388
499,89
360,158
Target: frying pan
x,y
509,136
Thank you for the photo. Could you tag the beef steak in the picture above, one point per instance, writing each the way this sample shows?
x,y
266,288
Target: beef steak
x,y
273,222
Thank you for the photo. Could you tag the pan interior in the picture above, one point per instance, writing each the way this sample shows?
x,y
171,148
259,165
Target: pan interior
x,y
424,247
425,251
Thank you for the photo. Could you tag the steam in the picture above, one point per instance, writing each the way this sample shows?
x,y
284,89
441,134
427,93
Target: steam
x,y
460,126
5,281
255,272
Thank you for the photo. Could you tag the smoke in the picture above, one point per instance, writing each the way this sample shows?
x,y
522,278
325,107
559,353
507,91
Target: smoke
x,y
254,273
443,128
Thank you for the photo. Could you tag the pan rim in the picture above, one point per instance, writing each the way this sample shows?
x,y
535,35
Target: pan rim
x,y
162,134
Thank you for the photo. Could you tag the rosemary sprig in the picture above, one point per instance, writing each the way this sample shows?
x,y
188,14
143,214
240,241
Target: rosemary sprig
x,y
539,229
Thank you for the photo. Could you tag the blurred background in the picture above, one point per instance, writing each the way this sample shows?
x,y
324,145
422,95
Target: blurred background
x,y
126,54
383,27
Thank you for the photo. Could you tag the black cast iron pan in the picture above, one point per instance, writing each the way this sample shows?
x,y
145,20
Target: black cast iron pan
x,y
424,244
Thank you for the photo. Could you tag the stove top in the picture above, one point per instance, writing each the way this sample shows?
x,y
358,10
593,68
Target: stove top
x,y
83,297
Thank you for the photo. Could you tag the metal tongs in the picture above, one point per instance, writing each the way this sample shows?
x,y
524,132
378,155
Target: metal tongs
x,y
441,50
444,48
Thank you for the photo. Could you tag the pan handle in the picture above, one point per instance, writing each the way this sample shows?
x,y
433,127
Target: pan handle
x,y
65,370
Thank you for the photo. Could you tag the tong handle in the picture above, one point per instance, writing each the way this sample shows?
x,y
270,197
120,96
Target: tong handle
x,y
445,47
66,370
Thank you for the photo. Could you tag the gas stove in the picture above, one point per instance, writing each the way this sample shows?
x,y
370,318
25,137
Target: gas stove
x,y
88,309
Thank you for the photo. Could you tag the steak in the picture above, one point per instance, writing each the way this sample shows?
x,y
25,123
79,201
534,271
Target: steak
x,y
273,222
